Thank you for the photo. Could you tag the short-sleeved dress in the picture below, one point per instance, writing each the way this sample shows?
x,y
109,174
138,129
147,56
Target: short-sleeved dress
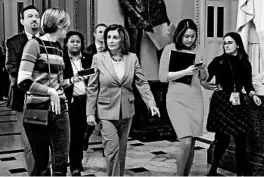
x,y
184,102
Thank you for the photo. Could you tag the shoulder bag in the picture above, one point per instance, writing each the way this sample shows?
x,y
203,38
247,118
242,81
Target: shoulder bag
x,y
38,113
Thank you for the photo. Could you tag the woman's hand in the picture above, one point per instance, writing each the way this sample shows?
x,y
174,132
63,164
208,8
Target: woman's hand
x,y
256,100
91,120
76,79
190,70
54,101
210,86
154,110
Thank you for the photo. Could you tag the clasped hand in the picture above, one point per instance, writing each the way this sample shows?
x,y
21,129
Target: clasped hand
x,y
76,79
211,86
91,120
256,100
154,111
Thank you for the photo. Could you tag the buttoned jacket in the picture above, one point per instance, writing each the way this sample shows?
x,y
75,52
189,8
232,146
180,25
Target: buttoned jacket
x,y
114,98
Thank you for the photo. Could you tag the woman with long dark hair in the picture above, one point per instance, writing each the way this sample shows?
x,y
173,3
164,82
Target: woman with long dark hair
x,y
228,114
184,102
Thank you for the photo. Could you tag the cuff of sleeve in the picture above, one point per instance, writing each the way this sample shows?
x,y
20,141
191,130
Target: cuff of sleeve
x,y
39,89
151,103
70,81
252,93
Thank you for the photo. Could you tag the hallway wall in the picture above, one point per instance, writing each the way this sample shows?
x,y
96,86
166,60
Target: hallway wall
x,y
109,12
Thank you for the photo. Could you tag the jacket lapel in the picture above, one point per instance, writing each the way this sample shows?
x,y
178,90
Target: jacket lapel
x,y
128,63
107,62
23,39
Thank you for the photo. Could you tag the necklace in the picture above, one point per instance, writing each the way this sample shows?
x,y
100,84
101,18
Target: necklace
x,y
117,58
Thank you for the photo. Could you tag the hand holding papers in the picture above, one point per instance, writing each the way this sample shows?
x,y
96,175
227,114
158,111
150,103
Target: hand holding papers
x,y
180,61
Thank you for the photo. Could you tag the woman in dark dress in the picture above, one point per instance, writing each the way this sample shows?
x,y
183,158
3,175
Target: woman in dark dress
x,y
228,114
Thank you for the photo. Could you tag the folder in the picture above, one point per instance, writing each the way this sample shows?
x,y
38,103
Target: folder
x,y
180,61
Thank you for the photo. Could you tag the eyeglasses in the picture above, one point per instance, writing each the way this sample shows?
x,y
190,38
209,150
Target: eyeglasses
x,y
228,43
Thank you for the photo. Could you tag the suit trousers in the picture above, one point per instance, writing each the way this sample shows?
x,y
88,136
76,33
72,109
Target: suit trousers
x,y
77,114
27,149
56,136
114,138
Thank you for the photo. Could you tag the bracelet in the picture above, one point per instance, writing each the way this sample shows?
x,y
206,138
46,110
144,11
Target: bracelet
x,y
254,94
71,81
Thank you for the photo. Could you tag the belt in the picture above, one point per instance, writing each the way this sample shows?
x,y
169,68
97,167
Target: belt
x,y
79,97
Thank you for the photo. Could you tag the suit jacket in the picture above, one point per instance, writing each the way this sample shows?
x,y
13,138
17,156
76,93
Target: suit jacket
x,y
68,72
142,13
14,51
91,49
114,98
2,59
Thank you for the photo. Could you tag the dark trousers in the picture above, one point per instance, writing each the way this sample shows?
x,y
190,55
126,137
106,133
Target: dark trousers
x,y
77,113
29,159
89,131
55,136
221,144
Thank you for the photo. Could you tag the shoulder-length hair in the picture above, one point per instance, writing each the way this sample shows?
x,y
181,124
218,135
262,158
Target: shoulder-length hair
x,y
72,33
242,54
54,19
182,27
125,41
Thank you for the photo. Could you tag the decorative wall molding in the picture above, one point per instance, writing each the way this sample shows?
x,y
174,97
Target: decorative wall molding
x,y
197,18
93,17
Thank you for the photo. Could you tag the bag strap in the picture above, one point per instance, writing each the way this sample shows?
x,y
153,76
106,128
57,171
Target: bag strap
x,y
47,61
233,76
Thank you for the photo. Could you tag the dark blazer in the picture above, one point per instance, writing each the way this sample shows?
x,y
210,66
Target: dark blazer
x,y
91,50
2,59
14,50
142,13
68,72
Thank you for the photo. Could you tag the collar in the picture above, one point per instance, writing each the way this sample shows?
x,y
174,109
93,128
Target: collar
x,y
97,44
75,58
29,35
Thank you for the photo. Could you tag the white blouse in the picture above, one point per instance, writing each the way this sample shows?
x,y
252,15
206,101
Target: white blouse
x,y
119,67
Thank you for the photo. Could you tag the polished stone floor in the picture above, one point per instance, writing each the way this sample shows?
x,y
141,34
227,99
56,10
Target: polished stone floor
x,y
156,158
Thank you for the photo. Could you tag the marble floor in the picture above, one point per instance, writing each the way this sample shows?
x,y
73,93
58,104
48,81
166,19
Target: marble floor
x,y
156,158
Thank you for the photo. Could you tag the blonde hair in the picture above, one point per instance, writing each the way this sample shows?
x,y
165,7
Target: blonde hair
x,y
54,19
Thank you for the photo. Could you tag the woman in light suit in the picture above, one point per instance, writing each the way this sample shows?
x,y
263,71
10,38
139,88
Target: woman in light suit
x,y
111,97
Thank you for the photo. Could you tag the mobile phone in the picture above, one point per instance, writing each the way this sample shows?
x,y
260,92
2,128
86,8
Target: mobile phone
x,y
197,65
86,72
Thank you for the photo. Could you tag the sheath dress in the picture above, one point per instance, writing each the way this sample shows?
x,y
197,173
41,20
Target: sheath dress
x,y
184,102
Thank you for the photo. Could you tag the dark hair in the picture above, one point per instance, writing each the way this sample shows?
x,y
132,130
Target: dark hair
x,y
27,8
100,24
242,54
72,33
182,27
125,41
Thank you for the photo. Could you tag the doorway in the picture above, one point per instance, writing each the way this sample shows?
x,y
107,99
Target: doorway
x,y
218,19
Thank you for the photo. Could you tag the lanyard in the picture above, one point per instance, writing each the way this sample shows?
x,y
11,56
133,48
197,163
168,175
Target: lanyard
x,y
233,77
76,66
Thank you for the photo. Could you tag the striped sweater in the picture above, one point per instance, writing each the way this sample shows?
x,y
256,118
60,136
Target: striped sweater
x,y
34,71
